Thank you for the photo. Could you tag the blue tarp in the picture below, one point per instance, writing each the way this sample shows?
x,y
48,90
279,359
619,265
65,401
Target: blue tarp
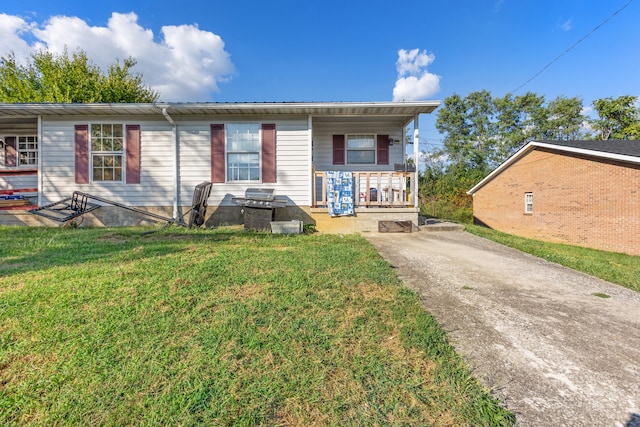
x,y
339,193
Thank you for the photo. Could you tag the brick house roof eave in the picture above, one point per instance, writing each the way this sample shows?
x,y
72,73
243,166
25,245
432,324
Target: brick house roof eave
x,y
573,148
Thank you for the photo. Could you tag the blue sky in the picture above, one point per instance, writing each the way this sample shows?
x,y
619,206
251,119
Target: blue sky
x,y
306,50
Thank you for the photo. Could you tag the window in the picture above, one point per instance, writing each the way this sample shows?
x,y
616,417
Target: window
x,y
27,150
361,149
243,151
107,151
528,202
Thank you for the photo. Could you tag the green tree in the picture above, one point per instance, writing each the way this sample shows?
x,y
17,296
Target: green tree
x,y
618,118
66,78
468,128
565,119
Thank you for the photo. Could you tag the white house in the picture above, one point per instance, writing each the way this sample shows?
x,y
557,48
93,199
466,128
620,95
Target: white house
x,y
151,156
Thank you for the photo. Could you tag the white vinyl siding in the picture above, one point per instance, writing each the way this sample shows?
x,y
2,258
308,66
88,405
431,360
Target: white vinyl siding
x,y
156,167
293,165
323,131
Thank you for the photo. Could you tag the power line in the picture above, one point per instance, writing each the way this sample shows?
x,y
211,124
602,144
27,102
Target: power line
x,y
573,46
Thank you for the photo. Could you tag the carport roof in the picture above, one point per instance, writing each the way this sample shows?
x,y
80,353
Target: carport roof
x,y
625,151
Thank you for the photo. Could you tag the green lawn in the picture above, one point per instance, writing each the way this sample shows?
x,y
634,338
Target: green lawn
x,y
223,327
610,266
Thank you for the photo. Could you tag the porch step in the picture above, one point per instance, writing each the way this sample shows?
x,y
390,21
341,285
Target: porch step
x,y
431,224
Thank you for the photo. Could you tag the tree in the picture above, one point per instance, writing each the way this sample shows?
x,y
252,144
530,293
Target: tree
x,y
481,132
65,78
468,128
565,119
618,118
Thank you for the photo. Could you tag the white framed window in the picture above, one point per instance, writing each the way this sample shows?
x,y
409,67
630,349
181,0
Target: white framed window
x,y
528,203
27,150
106,141
243,150
361,149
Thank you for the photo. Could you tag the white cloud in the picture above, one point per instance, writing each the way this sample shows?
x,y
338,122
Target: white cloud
x,y
567,25
414,81
12,28
185,65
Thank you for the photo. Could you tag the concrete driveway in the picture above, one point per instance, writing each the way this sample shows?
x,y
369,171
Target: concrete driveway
x,y
532,331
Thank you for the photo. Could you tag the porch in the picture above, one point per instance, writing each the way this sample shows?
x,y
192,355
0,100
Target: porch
x,y
379,196
380,189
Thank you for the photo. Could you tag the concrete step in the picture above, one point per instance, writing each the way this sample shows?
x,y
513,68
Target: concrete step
x,y
431,224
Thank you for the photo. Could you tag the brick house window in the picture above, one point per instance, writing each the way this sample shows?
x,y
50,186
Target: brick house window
x,y
528,203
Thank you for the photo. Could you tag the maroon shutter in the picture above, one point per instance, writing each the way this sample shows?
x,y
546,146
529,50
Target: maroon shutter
x,y
383,149
10,153
133,154
338,149
217,153
268,152
82,154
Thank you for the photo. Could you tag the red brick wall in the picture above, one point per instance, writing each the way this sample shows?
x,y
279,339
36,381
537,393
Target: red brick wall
x,y
578,200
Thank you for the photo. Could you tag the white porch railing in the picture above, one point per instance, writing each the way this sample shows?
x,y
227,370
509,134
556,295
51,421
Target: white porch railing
x,y
372,189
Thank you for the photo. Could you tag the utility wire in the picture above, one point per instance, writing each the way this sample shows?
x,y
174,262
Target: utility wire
x,y
573,46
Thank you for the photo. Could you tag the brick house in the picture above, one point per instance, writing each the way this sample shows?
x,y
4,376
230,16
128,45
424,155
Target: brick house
x,y
584,193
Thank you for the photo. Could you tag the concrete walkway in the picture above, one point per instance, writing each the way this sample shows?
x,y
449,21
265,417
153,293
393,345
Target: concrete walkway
x,y
532,331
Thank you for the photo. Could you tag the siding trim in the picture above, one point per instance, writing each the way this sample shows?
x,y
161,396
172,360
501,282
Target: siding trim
x,y
338,150
217,153
383,150
10,152
81,141
133,154
269,152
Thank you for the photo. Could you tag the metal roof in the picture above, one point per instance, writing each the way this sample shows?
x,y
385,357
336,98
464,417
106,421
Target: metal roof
x,y
624,151
402,110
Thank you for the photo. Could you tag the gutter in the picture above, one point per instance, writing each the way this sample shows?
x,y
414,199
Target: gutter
x,y
176,179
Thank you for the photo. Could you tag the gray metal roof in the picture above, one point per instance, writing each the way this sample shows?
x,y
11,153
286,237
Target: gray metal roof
x,y
401,110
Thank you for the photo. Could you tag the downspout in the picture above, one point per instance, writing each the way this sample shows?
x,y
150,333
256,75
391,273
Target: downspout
x,y
176,169
40,174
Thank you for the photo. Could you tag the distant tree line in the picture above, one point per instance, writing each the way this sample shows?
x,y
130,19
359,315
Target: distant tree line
x,y
67,78
481,131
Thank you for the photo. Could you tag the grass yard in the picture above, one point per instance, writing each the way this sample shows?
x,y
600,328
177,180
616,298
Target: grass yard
x,y
610,266
222,327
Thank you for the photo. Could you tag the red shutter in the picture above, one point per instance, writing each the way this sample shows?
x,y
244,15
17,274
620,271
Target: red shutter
x,y
383,149
133,154
82,154
217,153
338,149
10,154
268,152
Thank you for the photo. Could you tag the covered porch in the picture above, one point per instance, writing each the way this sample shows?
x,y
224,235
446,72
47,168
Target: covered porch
x,y
372,189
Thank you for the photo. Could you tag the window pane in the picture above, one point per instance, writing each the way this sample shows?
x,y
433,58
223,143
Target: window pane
x,y
96,131
117,144
117,131
360,141
361,157
243,136
243,167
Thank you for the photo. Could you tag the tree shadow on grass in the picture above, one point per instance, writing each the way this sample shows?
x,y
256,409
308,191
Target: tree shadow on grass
x,y
35,249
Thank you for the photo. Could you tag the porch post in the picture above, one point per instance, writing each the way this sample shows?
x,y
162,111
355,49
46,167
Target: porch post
x,y
416,158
